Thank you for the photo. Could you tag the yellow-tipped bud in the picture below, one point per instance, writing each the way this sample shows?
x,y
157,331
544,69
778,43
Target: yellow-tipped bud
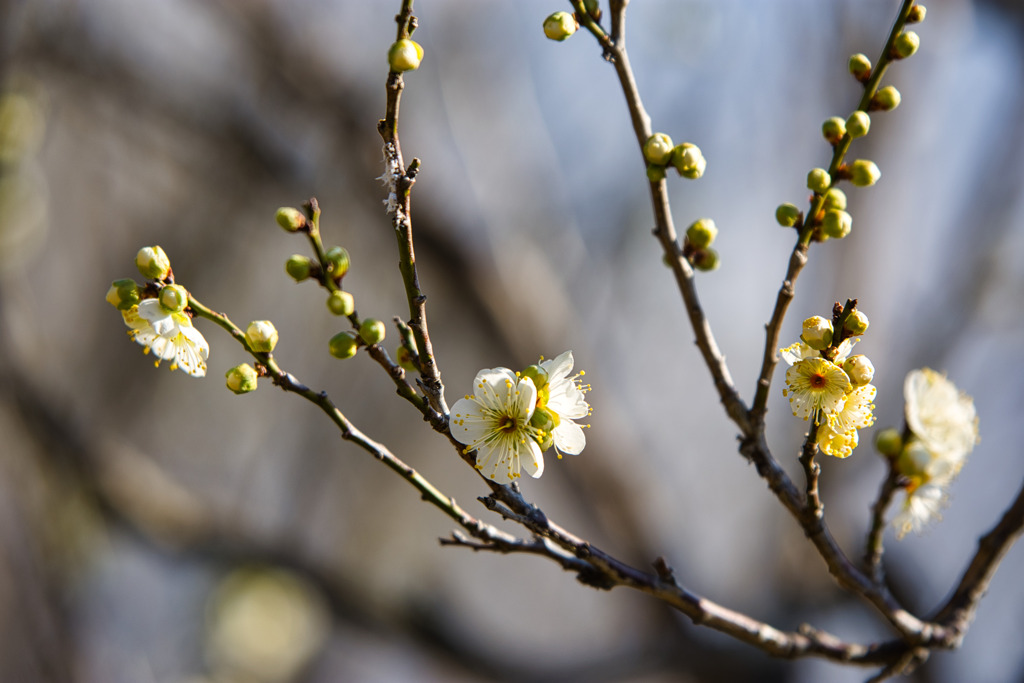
x,y
834,199
817,332
858,124
341,303
689,160
261,335
864,173
833,129
559,26
702,233
123,294
290,218
856,323
173,298
153,263
405,55
906,44
241,379
886,99
859,369
787,215
860,66
818,180
658,149
372,331
343,345
917,14
837,223
706,260
299,267
889,442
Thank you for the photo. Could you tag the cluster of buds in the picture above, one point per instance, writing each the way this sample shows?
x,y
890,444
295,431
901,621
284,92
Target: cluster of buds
x,y
697,245
825,382
660,153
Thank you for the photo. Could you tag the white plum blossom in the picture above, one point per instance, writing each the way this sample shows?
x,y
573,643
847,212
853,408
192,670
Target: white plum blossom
x,y
495,421
941,416
169,336
563,397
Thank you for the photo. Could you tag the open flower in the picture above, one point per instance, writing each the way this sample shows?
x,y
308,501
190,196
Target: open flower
x,y
942,417
562,397
815,384
837,436
495,421
927,489
168,335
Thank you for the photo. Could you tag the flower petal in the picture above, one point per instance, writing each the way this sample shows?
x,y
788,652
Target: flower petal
x,y
569,438
532,459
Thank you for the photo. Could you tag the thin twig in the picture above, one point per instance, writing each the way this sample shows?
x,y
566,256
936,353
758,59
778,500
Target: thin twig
x,y
873,547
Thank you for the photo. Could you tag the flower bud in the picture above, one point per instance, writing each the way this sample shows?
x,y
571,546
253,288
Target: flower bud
x,y
544,420
298,266
290,219
860,66
560,26
837,223
917,14
343,345
833,129
702,233
834,199
706,260
817,332
856,323
261,335
787,215
864,173
153,263
655,173
658,149
241,379
914,459
341,303
858,124
538,374
372,331
859,369
405,55
818,180
689,160
123,294
886,99
906,44
174,298
404,358
337,262
889,442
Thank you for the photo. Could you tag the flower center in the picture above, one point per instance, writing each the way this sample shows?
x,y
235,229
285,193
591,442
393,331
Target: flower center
x,y
817,381
507,424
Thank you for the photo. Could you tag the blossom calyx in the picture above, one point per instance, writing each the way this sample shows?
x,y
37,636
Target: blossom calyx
x,y
559,26
153,263
818,180
658,149
817,332
837,223
702,233
261,335
123,294
859,369
864,173
906,44
372,331
241,379
290,218
174,298
688,160
343,345
341,303
858,124
405,55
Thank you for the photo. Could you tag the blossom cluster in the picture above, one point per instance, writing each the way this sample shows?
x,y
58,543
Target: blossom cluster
x,y
941,431
513,417
827,383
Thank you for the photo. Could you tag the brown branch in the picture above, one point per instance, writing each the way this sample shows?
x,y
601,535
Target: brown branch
x,y
873,547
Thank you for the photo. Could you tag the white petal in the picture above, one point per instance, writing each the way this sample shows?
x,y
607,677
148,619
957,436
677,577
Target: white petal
x,y
532,459
163,348
558,367
495,462
466,422
569,438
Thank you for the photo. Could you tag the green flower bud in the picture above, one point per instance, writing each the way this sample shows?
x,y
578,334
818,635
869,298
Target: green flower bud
x,y
123,294
859,369
337,262
174,298
404,358
658,149
856,323
864,173
655,173
372,331
858,124
341,303
834,199
343,345
860,67
405,55
817,332
261,335
787,215
889,442
560,26
241,379
906,44
914,459
538,374
837,223
298,266
833,129
917,14
818,180
702,233
544,420
153,263
689,160
291,219
886,99
706,260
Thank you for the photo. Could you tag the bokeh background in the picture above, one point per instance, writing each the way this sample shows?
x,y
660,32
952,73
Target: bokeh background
x,y
155,528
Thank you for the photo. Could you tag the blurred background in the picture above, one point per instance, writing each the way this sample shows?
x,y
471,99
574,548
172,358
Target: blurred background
x,y
155,528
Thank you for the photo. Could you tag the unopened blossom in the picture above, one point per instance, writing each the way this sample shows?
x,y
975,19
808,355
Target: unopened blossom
x,y
169,336
495,421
